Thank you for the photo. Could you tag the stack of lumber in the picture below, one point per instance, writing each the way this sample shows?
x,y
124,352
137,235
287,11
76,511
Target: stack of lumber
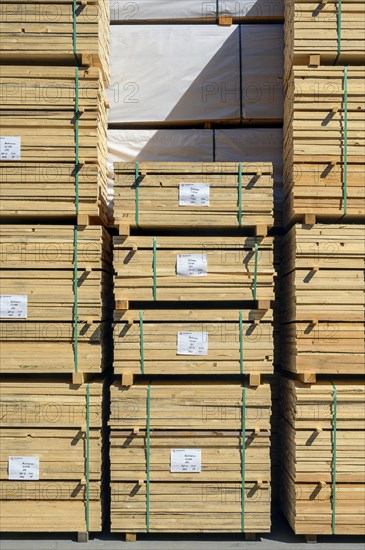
x,y
323,456
224,455
322,295
52,431
324,143
38,111
232,341
224,195
55,32
37,268
332,30
193,268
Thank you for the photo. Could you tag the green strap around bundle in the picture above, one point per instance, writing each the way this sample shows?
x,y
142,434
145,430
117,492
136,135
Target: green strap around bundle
x,y
75,243
345,128
136,189
141,341
87,460
339,27
148,449
240,194
254,293
154,261
241,342
243,458
334,459
74,27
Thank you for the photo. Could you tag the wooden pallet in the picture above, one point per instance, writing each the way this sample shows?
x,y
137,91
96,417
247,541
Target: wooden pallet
x,y
151,346
315,501
158,188
321,177
322,300
230,269
43,32
205,417
315,34
47,420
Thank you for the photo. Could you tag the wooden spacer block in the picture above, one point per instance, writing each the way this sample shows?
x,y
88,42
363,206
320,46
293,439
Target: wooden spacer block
x,y
318,430
307,377
143,173
261,230
131,537
122,305
83,219
86,59
127,379
315,268
88,268
258,173
77,378
134,248
250,536
124,230
89,321
263,305
83,481
315,60
224,21
322,484
207,125
135,430
255,379
314,321
309,219
311,539
83,537
334,109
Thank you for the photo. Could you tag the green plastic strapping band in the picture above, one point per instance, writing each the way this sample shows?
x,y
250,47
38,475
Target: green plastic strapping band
x,y
136,187
148,445
87,460
334,459
256,270
75,305
345,128
77,140
241,343
243,458
240,194
339,27
141,340
154,261
74,28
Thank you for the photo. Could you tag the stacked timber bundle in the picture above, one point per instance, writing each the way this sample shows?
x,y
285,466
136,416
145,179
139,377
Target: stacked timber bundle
x,y
190,457
51,455
193,269
55,296
326,32
194,342
56,32
323,457
323,319
324,143
54,145
155,195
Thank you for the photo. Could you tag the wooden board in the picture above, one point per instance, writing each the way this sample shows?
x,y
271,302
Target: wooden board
x,y
205,417
219,328
322,299
311,453
230,271
47,420
43,32
38,261
318,176
315,29
158,186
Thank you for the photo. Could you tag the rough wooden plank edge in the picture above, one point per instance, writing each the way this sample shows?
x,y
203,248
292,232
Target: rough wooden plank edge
x,y
83,537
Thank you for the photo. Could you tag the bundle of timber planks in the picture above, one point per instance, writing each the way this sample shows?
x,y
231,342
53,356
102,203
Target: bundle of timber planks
x,y
51,456
328,32
190,457
194,342
323,456
39,271
323,316
56,32
324,143
193,269
155,195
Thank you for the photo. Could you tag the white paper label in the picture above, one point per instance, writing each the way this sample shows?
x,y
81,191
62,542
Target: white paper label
x,y
192,265
13,306
186,460
9,148
24,468
192,343
194,194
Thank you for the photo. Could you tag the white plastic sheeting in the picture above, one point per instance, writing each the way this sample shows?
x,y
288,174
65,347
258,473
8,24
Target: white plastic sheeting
x,y
190,73
150,10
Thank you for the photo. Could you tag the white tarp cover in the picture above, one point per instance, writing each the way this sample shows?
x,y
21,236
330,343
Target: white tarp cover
x,y
149,10
192,73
